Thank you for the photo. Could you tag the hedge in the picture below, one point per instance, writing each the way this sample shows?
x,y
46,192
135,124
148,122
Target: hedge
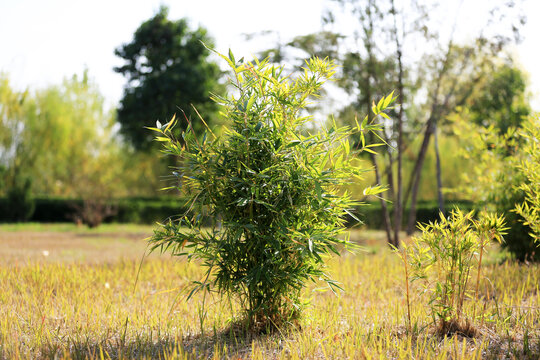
x,y
371,215
149,210
130,210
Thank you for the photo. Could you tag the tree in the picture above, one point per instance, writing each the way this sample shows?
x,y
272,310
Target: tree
x,y
167,71
61,141
501,100
369,68
12,112
443,73
79,154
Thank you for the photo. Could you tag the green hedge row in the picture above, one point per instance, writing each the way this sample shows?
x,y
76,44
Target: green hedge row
x,y
131,210
150,210
426,211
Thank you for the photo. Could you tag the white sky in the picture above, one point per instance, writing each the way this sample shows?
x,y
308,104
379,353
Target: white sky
x,y
43,41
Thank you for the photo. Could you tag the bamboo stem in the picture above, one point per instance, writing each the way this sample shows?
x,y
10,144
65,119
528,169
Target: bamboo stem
x,y
407,289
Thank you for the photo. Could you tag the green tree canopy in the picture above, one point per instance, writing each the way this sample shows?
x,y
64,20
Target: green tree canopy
x,y
60,137
501,101
64,140
167,69
11,113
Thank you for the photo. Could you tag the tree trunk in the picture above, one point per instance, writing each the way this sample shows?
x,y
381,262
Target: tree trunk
x,y
437,112
438,164
430,126
398,203
371,75
384,208
416,175
390,173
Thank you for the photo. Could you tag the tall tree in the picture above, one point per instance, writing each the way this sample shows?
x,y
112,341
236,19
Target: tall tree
x,y
431,74
399,35
372,67
61,140
167,70
12,110
53,136
460,73
501,100
444,74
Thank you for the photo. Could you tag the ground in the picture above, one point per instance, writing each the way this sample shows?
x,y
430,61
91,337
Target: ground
x,y
70,292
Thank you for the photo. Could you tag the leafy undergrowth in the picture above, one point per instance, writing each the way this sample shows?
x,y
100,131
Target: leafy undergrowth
x,y
87,309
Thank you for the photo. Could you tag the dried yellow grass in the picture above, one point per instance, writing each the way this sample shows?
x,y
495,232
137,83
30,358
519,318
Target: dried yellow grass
x,y
80,301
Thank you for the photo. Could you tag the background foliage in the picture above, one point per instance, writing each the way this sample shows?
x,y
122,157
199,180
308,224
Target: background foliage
x,y
502,176
62,141
168,70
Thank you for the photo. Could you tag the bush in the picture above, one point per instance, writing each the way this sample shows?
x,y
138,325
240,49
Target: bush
x,y
444,257
518,240
517,192
529,209
271,188
503,179
93,212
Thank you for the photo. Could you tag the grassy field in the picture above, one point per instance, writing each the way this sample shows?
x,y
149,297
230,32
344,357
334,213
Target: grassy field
x,y
68,292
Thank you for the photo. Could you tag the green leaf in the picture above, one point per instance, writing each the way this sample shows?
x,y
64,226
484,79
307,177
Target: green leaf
x,y
294,143
374,109
231,57
318,190
352,215
170,123
242,202
250,102
384,115
365,121
388,100
379,104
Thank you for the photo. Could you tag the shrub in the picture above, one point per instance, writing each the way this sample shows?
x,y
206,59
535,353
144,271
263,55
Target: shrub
x,y
271,188
93,211
444,257
529,209
499,179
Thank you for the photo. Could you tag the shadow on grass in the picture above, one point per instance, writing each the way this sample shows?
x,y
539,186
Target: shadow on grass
x,y
232,342
513,347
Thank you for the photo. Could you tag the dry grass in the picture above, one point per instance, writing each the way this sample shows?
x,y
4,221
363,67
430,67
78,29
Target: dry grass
x,y
53,243
81,302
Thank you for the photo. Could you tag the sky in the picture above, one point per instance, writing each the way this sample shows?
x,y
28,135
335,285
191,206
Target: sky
x,y
43,42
